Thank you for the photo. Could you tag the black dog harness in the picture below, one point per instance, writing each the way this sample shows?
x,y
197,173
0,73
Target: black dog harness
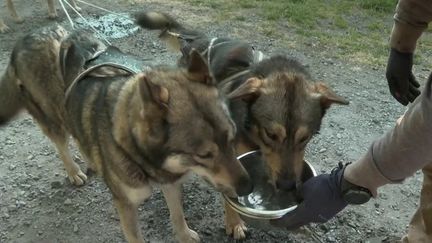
x,y
257,57
109,62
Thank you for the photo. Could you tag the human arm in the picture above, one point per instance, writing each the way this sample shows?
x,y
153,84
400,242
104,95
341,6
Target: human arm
x,y
401,151
410,21
393,157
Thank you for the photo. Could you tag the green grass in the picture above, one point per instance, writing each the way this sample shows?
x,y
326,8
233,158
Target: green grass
x,y
351,29
377,5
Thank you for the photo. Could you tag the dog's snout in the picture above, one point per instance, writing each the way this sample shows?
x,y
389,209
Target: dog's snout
x,y
285,184
244,186
286,181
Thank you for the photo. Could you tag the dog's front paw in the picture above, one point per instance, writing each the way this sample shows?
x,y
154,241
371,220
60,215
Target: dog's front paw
x,y
77,177
19,20
234,225
237,230
52,15
4,28
189,236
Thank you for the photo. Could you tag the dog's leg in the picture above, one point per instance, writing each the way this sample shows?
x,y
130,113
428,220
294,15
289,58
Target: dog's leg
x,y
234,225
13,12
92,168
3,27
76,176
52,11
128,213
173,198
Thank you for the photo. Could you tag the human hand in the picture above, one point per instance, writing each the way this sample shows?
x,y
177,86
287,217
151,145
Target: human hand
x,y
401,81
322,200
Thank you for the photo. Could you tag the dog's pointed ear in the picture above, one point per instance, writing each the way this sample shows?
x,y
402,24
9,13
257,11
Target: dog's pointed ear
x,y
328,96
249,90
72,59
198,68
151,92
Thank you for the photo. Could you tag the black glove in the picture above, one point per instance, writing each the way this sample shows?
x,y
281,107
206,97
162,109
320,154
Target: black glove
x,y
401,81
322,200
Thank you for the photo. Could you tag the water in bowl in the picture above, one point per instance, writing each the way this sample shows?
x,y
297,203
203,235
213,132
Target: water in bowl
x,y
266,197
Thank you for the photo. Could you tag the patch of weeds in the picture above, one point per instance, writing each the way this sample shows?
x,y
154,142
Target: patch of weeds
x,y
301,12
351,29
340,22
270,30
376,26
240,18
247,4
200,2
418,59
383,6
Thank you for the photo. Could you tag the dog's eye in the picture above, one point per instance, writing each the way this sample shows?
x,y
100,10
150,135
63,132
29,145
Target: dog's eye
x,y
204,159
303,141
270,135
207,155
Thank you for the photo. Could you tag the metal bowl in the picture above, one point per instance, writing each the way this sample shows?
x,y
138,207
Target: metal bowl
x,y
265,202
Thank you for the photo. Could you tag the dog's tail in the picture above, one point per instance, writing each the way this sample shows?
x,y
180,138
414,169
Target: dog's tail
x,y
10,98
172,32
156,21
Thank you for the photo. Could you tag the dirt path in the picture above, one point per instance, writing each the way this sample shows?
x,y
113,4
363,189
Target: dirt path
x,y
38,204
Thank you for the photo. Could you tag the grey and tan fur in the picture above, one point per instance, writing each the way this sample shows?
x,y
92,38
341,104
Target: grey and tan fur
x,y
281,107
152,128
52,13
